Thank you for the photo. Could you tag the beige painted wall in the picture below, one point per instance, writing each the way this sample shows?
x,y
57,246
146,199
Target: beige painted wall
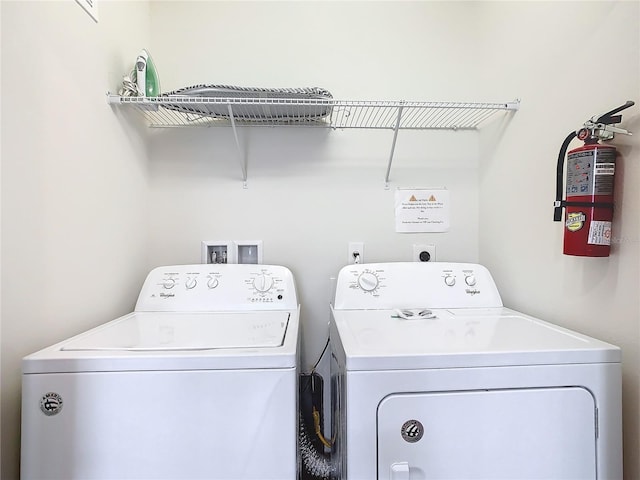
x,y
568,61
74,182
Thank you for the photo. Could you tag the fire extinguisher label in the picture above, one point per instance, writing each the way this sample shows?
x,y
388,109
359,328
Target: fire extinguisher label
x,y
599,233
603,178
575,221
605,168
590,172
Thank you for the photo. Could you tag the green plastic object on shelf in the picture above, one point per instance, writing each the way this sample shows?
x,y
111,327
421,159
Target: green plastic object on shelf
x,y
147,79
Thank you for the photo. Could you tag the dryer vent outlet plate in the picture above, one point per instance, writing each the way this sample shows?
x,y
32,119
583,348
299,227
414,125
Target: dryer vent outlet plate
x,y
424,253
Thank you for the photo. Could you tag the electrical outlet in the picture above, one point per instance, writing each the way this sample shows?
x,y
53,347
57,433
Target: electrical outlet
x,y
424,253
356,252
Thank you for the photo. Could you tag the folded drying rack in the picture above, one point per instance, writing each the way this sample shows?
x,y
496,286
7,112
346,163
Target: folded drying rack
x,y
167,112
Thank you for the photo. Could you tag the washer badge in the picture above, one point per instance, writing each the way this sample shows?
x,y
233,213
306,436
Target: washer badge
x,y
412,431
51,404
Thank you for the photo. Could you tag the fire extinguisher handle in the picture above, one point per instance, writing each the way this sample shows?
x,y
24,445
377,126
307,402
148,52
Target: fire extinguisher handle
x,y
611,117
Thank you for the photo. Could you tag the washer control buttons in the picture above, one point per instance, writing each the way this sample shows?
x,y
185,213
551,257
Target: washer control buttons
x,y
470,280
449,280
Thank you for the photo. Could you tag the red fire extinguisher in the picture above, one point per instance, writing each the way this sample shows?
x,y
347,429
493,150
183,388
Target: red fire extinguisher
x,y
589,186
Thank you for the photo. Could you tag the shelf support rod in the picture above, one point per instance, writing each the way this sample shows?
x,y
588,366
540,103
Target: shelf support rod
x,y
241,156
393,146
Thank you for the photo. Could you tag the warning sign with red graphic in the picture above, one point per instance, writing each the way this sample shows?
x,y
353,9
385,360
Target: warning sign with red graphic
x,y
422,210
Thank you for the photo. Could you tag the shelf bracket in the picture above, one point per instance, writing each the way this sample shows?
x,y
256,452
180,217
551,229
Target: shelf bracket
x,y
393,146
241,155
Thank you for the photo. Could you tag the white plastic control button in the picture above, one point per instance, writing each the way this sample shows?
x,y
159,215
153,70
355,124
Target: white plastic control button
x,y
470,280
190,283
212,283
169,283
450,280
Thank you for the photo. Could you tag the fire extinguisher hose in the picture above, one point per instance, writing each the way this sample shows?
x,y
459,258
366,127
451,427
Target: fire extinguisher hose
x,y
557,211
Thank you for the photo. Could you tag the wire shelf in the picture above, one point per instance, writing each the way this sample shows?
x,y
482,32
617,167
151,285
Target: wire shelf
x,y
234,112
165,112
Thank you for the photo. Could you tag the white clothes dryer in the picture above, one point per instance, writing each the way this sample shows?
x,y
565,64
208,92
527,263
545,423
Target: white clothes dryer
x,y
199,382
434,379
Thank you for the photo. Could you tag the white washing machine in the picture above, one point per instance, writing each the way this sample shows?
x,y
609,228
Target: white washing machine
x,y
434,379
199,382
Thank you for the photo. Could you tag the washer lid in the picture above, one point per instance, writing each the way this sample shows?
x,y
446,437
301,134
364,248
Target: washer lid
x,y
153,331
174,341
379,340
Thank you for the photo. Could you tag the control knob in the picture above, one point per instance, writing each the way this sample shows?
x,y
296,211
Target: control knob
x,y
368,281
190,283
263,283
470,280
450,280
212,282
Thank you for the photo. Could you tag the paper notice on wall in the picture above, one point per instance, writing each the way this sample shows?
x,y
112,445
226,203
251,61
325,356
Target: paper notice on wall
x,y
422,210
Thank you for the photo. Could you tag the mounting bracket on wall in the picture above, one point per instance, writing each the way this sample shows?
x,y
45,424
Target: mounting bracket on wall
x,y
165,112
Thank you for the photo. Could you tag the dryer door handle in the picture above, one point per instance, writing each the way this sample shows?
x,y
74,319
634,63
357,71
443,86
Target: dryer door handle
x,y
400,471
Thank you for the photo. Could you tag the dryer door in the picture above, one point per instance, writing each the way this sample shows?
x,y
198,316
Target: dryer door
x,y
541,433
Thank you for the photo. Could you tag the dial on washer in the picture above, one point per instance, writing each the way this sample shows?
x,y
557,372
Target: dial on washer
x,y
263,283
368,281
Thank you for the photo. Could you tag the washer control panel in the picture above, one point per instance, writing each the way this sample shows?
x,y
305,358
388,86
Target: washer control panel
x,y
415,285
218,287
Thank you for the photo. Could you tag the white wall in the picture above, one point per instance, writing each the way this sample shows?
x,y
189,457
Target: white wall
x,y
74,182
309,192
568,61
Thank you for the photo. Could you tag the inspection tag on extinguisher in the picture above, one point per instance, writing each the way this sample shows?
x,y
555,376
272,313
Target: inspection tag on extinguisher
x,y
599,233
422,210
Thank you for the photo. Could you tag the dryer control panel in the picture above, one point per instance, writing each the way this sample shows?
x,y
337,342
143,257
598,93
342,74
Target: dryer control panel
x,y
217,287
415,285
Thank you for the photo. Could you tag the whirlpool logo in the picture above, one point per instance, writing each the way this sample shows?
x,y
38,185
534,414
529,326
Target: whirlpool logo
x,y
412,431
472,291
51,404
